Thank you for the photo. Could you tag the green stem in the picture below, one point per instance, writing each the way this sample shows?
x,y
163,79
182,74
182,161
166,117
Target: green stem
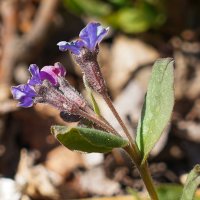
x,y
115,113
134,153
144,172
99,122
146,177
120,121
100,117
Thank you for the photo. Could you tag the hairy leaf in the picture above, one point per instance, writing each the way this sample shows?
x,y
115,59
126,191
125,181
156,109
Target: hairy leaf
x,y
158,105
87,140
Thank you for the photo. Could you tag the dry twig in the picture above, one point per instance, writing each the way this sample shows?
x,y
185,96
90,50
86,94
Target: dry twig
x,y
17,47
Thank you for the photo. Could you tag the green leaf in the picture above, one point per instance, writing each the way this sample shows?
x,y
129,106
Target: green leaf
x,y
126,15
89,7
158,105
121,3
192,182
133,193
93,100
173,192
136,19
169,191
87,140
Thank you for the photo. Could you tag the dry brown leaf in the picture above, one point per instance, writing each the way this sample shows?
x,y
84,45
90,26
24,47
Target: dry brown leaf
x,y
63,161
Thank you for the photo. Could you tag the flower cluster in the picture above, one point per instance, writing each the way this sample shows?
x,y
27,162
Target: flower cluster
x,y
49,85
25,93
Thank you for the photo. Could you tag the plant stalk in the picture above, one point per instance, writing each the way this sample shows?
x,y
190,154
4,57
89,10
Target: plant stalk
x,y
100,117
115,113
128,135
134,153
144,172
99,122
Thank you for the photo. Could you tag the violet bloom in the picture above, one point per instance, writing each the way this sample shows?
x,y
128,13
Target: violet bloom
x,y
74,46
50,73
84,52
26,93
90,36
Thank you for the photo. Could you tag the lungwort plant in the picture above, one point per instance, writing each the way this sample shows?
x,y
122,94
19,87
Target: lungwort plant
x,y
49,86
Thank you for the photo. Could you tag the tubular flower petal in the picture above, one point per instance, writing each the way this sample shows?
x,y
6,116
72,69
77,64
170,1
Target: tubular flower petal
x,y
51,73
35,75
74,46
24,94
90,36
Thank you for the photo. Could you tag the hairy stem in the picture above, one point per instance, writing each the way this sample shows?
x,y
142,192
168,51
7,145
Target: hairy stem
x,y
99,122
106,122
99,117
115,113
134,153
144,173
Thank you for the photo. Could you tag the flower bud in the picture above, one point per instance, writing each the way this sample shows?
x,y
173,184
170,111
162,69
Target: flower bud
x,y
69,117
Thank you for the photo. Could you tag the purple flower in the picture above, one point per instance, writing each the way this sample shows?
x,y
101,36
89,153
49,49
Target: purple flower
x,y
90,36
74,46
35,75
49,73
24,94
